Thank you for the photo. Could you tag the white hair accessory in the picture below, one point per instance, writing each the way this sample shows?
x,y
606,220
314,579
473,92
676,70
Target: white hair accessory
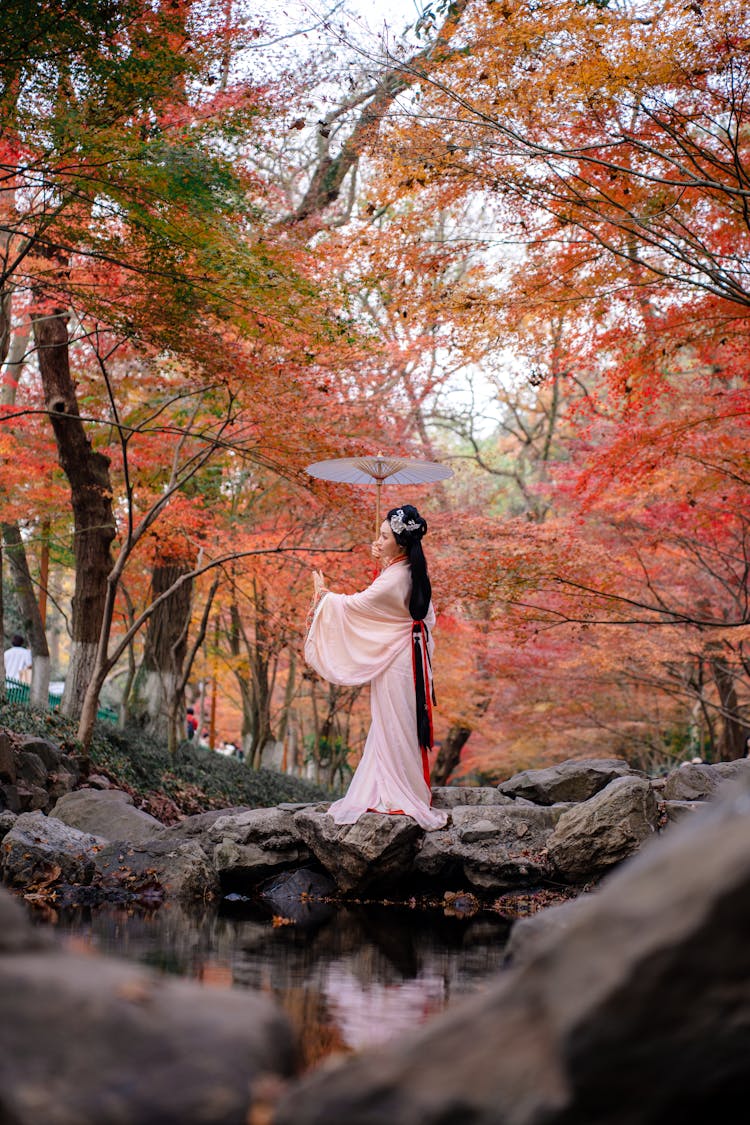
x,y
399,524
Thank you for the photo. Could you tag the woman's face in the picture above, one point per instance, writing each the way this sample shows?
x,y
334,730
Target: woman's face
x,y
385,548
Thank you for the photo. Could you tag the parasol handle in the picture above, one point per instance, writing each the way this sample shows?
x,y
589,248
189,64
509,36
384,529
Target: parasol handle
x,y
378,486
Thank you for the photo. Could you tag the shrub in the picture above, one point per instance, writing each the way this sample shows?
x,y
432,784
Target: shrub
x,y
196,779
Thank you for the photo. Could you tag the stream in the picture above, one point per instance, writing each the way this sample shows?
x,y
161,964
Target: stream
x,y
348,977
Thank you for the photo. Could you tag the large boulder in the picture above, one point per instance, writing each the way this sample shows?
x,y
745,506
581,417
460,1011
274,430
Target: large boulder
x,y
178,868
452,796
592,837
109,813
699,781
92,1040
50,754
494,848
41,848
196,827
636,1011
253,844
377,849
572,780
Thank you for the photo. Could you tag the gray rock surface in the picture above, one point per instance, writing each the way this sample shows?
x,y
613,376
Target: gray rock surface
x,y
694,781
635,1011
37,845
180,867
597,834
495,848
109,813
34,772
376,849
256,843
7,820
527,933
451,796
575,779
198,825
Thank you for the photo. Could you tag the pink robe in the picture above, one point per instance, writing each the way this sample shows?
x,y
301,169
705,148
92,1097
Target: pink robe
x,y
366,638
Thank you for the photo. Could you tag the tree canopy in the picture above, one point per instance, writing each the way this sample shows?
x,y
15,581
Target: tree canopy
x,y
511,236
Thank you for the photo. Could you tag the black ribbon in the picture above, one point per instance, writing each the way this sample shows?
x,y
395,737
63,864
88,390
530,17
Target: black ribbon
x,y
421,664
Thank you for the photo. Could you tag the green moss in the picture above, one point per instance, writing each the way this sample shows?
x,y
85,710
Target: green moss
x,y
196,779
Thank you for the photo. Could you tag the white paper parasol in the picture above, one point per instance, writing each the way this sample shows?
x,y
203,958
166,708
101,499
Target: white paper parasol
x,y
379,470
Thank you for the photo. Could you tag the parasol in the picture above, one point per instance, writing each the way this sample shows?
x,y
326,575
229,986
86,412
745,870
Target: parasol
x,y
380,470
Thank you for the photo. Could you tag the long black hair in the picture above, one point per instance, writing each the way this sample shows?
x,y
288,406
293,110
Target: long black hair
x,y
408,528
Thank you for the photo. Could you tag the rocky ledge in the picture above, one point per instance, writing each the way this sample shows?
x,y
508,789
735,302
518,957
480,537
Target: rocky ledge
x,y
627,1005
566,825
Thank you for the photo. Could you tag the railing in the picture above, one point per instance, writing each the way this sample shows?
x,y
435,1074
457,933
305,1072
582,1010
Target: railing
x,y
16,692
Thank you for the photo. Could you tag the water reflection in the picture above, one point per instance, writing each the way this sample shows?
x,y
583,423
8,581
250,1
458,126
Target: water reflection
x,y
348,978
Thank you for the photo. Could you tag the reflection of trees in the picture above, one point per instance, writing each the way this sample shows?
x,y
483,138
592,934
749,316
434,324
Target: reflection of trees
x,y
378,951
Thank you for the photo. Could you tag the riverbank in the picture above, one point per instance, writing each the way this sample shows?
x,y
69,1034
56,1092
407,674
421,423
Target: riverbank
x,y
609,1008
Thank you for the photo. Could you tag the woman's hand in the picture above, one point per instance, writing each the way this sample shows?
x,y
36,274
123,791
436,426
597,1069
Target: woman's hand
x,y
319,583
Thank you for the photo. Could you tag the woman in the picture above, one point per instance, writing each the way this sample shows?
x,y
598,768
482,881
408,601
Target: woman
x,y
381,637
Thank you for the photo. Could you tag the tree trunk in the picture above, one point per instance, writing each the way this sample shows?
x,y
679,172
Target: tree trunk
x,y
255,690
32,618
159,692
731,741
449,754
91,497
2,626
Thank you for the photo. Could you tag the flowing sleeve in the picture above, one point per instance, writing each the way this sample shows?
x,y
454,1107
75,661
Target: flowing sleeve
x,y
354,637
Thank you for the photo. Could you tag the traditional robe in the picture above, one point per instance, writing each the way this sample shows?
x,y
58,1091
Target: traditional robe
x,y
366,638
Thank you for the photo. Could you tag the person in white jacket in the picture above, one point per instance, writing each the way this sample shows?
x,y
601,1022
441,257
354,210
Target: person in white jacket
x,y
382,636
18,661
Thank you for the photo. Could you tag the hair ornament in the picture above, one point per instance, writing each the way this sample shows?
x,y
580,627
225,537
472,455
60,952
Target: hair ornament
x,y
399,524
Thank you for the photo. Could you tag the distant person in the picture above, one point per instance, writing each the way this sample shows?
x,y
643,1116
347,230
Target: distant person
x,y
191,722
18,661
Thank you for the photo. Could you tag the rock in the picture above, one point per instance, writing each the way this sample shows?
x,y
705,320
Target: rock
x,y
7,759
37,845
253,844
31,797
527,933
181,868
698,782
48,752
9,798
635,1011
592,837
297,895
452,796
91,1040
198,825
7,820
376,849
275,827
676,811
494,848
31,768
98,781
108,813
59,783
572,780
